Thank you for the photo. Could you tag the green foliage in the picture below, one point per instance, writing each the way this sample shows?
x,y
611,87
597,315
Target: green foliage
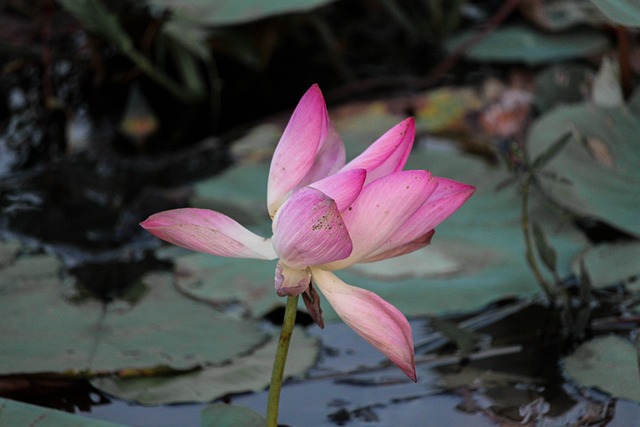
x,y
22,414
44,332
596,175
246,373
227,12
523,44
609,363
623,12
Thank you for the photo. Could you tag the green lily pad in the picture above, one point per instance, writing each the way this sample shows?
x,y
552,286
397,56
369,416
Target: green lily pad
x,y
608,363
246,373
222,281
608,264
240,192
223,415
8,252
227,12
43,332
623,12
17,414
523,44
596,175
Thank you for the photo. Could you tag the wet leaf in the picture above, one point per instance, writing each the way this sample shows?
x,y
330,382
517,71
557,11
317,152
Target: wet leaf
x,y
606,90
523,44
223,415
226,12
240,192
223,281
608,363
43,332
624,12
8,252
561,14
596,175
608,264
245,373
17,414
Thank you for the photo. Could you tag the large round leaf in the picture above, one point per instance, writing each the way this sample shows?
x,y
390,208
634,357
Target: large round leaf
x,y
523,44
44,332
609,363
227,12
597,173
251,372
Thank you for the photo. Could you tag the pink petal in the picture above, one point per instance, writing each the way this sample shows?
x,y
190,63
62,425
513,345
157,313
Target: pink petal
x,y
308,230
371,317
343,187
329,160
414,233
297,149
388,154
448,197
401,249
382,208
290,282
208,231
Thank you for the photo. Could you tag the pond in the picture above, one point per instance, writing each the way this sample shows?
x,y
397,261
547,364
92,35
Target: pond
x,y
523,309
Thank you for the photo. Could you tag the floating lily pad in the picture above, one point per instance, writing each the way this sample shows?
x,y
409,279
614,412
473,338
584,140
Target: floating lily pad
x,y
558,15
608,363
221,281
523,44
596,174
44,332
8,252
17,414
250,372
227,12
240,192
624,12
609,264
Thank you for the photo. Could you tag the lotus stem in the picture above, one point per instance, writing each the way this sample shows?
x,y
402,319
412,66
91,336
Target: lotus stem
x,y
277,373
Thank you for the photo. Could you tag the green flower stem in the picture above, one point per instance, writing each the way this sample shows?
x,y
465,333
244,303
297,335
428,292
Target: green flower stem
x,y
280,360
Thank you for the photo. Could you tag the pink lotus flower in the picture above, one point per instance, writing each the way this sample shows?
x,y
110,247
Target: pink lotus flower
x,y
328,216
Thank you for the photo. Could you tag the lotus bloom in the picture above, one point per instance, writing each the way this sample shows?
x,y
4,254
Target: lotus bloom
x,y
328,216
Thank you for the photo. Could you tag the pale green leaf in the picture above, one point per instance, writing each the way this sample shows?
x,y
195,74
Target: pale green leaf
x,y
43,332
611,263
251,372
20,414
596,175
523,44
227,12
624,12
609,363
